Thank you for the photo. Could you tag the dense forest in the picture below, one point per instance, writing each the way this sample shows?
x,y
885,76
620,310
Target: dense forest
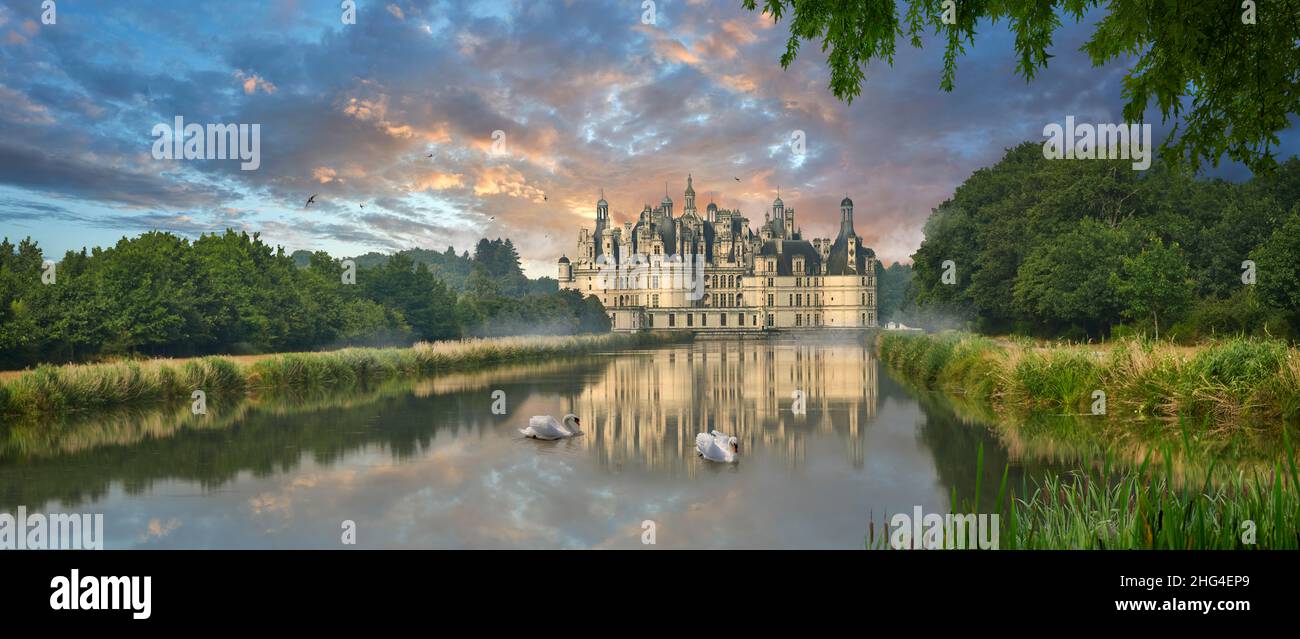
x,y
162,295
893,293
455,270
1087,249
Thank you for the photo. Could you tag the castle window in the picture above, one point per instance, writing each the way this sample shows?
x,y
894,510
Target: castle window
x,y
722,317
798,319
769,319
672,320
770,301
704,319
690,319
740,319
798,300
654,301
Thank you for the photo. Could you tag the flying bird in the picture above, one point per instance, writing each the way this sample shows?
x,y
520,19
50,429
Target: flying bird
x,y
362,206
429,155
311,200
737,179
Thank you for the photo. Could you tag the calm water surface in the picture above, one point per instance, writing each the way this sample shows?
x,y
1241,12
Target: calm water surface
x,y
428,465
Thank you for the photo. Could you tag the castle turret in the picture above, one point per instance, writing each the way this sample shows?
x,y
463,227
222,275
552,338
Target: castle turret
x,y
602,220
846,216
565,274
690,196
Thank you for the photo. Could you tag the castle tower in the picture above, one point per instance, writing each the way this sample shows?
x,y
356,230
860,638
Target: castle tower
x,y
602,219
565,270
846,216
846,231
690,196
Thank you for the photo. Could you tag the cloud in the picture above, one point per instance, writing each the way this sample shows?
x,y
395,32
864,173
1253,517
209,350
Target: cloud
x,y
399,110
251,82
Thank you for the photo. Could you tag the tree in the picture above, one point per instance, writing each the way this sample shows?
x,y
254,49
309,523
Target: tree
x,y
1277,266
1233,85
426,304
891,289
1026,261
1067,282
1154,283
152,281
160,294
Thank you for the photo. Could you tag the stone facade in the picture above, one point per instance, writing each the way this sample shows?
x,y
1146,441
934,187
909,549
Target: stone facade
x,y
713,273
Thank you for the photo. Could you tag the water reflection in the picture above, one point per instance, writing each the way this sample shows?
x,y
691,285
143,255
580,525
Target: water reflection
x,y
427,464
647,409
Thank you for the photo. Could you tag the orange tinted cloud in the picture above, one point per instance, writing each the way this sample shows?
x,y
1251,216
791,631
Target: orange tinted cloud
x,y
436,181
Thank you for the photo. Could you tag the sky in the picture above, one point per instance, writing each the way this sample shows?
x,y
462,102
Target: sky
x,y
390,121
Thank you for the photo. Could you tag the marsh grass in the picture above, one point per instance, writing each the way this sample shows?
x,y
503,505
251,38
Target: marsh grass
x,y
56,389
1104,508
1226,384
1143,508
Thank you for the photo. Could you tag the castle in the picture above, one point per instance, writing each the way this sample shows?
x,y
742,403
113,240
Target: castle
x,y
712,273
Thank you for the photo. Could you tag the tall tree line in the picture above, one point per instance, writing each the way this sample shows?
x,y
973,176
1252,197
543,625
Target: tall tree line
x,y
1086,248
159,294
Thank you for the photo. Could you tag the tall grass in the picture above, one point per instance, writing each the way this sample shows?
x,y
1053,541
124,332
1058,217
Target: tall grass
x,y
1231,383
1102,508
1143,509
55,389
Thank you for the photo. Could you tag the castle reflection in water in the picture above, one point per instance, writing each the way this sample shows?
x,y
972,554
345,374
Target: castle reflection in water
x,y
645,410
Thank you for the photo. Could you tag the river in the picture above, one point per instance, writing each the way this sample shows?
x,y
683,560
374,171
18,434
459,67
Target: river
x,y
429,464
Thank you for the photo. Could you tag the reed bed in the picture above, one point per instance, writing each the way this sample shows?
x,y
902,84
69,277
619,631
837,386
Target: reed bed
x,y
1142,509
1105,508
1224,384
55,389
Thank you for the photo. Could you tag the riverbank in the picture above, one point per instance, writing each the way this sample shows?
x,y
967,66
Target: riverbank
x,y
55,389
1127,493
1230,384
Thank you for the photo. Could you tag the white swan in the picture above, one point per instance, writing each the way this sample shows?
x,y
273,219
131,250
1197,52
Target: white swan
x,y
717,447
546,427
